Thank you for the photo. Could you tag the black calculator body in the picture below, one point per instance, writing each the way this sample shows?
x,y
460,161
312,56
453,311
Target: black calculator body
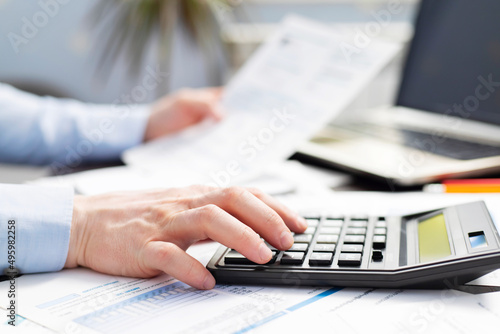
x,y
434,249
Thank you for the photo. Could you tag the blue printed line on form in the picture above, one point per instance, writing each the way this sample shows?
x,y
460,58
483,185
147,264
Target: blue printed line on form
x,y
58,301
288,310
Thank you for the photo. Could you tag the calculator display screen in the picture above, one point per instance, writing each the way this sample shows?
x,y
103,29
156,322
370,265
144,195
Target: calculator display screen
x,y
433,241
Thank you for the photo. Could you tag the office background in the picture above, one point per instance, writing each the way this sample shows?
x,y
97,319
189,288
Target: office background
x,y
60,56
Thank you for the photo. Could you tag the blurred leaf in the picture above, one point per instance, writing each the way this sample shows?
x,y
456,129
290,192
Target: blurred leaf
x,y
130,26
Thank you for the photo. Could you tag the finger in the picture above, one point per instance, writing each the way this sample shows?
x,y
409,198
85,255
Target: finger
x,y
295,222
204,105
253,212
174,261
213,95
215,91
183,192
212,222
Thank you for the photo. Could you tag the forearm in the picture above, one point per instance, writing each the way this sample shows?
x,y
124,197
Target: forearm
x,y
44,130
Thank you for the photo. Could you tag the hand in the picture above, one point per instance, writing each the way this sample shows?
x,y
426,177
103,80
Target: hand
x,y
180,110
142,234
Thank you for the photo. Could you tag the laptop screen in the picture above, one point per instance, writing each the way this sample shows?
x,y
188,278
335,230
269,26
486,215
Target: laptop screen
x,y
453,66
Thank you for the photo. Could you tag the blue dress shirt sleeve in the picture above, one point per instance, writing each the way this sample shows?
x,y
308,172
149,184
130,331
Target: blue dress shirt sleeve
x,y
62,132
42,219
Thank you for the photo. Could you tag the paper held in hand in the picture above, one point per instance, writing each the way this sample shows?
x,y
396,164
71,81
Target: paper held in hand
x,y
299,80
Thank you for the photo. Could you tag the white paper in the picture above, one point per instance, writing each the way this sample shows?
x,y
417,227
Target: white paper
x,y
278,179
390,311
298,81
82,301
491,279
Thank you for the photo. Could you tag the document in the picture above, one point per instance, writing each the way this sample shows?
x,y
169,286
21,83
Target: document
x,y
298,81
82,301
393,312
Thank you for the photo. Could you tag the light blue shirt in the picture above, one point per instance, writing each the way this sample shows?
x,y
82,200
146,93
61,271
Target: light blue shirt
x,y
41,217
60,133
49,131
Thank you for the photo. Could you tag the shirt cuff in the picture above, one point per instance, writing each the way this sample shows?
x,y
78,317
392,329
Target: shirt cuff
x,y
41,217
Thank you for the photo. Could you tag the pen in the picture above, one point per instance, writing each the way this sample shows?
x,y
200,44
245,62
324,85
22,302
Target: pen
x,y
465,186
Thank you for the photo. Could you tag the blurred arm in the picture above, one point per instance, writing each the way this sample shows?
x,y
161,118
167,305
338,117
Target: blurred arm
x,y
45,130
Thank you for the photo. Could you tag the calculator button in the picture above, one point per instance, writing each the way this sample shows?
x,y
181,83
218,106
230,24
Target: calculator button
x,y
334,222
324,248
302,238
321,259
298,247
358,223
312,222
327,239
380,231
379,241
356,231
293,257
273,258
329,230
377,255
381,223
233,257
354,239
352,249
349,259
310,230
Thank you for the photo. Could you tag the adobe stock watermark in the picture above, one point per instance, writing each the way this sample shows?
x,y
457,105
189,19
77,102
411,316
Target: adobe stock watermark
x,y
31,26
364,36
483,91
421,320
121,109
11,272
250,148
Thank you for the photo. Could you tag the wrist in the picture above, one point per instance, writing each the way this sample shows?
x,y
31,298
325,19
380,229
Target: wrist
x,y
75,249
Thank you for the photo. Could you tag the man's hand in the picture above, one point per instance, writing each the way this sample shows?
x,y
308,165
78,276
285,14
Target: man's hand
x,y
180,110
143,234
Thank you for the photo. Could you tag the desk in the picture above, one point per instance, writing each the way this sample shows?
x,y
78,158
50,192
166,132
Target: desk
x,y
239,309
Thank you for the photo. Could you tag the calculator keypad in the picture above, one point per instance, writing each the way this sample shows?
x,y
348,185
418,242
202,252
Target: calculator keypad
x,y
293,257
324,238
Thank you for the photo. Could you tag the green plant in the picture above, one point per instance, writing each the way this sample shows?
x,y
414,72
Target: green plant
x,y
130,25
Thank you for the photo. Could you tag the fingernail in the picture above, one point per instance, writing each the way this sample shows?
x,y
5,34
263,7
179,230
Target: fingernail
x,y
265,253
286,240
302,222
209,282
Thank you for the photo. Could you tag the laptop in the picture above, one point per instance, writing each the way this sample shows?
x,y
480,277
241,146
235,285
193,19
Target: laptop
x,y
446,120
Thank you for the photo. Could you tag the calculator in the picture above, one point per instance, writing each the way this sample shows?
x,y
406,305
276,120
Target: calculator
x,y
441,248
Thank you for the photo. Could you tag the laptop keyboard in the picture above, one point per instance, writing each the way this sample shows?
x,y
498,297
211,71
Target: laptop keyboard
x,y
324,238
448,147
